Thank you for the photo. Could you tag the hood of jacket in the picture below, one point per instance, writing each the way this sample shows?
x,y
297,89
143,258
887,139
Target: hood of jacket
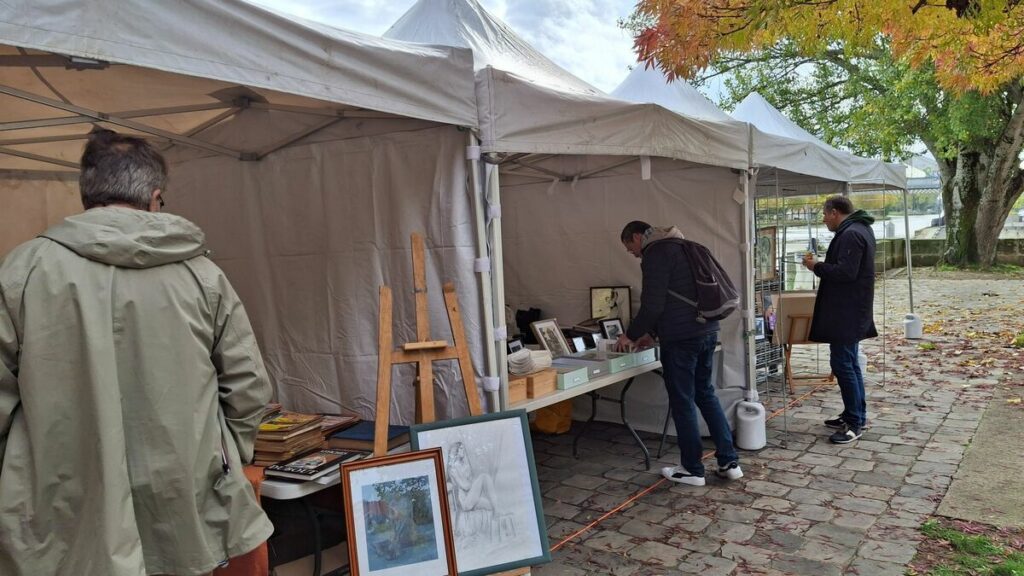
x,y
129,238
655,234
858,216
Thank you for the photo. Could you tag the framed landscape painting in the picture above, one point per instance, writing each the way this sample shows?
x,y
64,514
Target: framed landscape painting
x,y
396,514
493,494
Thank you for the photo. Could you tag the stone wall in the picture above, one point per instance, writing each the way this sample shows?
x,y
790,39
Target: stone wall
x,y
890,253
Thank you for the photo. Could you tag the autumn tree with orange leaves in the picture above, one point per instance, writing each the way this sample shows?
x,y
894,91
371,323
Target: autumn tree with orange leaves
x,y
875,76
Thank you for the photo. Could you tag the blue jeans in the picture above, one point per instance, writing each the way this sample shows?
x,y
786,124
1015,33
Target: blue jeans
x,y
843,359
687,366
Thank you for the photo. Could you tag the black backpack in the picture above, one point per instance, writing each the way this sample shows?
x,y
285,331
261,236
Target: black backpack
x,y
717,296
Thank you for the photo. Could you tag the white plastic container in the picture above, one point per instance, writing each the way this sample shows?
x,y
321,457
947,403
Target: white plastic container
x,y
750,426
913,328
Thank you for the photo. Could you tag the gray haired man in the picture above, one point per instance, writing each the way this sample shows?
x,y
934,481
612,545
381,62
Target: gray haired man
x,y
131,387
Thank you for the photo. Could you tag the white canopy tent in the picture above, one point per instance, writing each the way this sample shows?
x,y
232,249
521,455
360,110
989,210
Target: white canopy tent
x,y
307,154
862,173
858,171
574,165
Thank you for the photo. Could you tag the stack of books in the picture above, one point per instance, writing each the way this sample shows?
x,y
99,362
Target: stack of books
x,y
287,435
314,465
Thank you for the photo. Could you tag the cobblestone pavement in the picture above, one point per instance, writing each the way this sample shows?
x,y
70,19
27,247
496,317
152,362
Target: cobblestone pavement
x,y
804,505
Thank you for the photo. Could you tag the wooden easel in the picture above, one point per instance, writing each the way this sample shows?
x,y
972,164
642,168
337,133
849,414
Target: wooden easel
x,y
423,352
799,335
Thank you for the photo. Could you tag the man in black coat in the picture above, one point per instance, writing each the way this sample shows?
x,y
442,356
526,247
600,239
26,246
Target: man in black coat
x,y
844,306
687,349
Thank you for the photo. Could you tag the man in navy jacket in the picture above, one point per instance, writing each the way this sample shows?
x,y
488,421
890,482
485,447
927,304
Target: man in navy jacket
x,y
687,349
844,306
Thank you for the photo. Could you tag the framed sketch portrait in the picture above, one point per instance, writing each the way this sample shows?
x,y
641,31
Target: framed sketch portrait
x,y
396,513
764,254
611,328
550,337
493,495
610,302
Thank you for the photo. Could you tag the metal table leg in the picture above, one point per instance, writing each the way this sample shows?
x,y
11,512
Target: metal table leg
x,y
622,412
317,544
621,401
594,397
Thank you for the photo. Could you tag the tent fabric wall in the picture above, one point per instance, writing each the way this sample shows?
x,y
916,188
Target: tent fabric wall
x,y
560,239
31,205
307,236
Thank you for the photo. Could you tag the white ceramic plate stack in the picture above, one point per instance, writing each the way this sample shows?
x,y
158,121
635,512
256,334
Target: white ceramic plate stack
x,y
528,361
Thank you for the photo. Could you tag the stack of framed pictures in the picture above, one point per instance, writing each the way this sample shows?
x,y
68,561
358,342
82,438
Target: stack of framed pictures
x,y
466,501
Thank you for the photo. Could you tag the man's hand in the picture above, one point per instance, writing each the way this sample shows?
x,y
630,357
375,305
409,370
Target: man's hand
x,y
624,344
809,261
645,341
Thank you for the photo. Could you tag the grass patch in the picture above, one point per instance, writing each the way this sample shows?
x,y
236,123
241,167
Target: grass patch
x,y
1005,269
968,554
1018,341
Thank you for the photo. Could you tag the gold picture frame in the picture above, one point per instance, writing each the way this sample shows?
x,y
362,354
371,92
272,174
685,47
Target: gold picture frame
x,y
397,515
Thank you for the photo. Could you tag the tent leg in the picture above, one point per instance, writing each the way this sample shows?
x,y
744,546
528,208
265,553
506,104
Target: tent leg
x,y
493,197
906,250
485,274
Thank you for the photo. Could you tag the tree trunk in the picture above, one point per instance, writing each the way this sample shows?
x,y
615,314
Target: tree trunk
x,y
961,195
976,209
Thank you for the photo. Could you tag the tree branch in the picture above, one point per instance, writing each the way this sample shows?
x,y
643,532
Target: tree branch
x,y
1006,155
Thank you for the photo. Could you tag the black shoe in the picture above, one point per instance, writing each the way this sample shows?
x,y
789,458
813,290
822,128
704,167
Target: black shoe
x,y
847,435
838,423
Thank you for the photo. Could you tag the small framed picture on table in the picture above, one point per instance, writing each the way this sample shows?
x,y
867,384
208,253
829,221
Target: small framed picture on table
x,y
611,328
550,337
514,345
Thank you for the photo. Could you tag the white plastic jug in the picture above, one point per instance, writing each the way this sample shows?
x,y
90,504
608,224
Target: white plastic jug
x,y
913,328
750,426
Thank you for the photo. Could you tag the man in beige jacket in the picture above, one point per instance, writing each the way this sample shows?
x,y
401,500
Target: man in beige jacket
x,y
131,388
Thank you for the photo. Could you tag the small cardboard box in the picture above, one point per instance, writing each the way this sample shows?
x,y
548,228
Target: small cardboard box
x,y
569,377
516,389
540,383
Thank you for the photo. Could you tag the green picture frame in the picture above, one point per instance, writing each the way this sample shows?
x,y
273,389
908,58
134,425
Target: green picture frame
x,y
490,476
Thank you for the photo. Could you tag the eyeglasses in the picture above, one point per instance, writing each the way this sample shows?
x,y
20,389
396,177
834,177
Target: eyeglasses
x,y
161,200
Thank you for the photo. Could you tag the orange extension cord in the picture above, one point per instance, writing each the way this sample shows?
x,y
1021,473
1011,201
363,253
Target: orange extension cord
x,y
647,490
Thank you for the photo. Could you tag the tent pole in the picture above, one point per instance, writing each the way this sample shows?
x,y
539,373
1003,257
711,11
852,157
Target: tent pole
x,y
498,276
906,249
473,157
748,281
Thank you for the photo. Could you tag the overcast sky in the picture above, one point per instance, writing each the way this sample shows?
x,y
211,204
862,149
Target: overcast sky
x,y
581,36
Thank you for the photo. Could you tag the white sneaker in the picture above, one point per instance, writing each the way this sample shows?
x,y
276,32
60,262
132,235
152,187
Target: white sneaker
x,y
679,475
730,472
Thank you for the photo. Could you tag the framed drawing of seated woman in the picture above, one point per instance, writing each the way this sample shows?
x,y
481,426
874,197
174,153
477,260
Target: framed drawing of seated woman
x,y
493,495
